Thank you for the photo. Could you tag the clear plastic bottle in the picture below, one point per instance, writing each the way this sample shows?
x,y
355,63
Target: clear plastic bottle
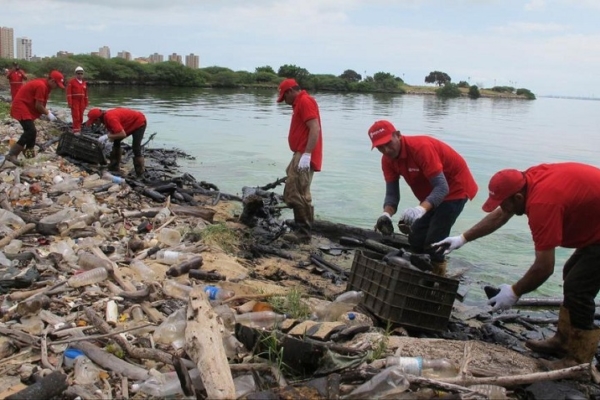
x,y
113,178
226,314
169,257
233,347
429,368
86,372
170,237
493,392
217,294
163,385
172,330
342,304
176,290
88,261
260,319
88,277
389,382
79,222
162,216
146,273
352,297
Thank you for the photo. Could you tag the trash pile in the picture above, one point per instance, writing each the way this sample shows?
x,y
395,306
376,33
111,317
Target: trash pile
x,y
113,287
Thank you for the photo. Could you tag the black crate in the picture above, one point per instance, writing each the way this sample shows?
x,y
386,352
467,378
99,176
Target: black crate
x,y
401,295
81,147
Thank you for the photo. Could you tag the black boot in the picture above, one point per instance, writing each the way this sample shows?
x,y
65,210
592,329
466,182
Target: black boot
x,y
302,231
138,165
115,159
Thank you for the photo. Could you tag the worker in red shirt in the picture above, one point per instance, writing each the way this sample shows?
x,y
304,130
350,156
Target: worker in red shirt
x,y
16,77
562,204
28,105
438,177
77,98
120,124
305,139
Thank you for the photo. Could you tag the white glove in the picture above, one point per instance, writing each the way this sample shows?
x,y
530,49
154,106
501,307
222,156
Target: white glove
x,y
503,300
410,215
451,243
51,116
304,161
103,139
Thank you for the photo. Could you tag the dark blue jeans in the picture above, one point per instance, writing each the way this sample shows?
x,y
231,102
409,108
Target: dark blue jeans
x,y
434,226
581,275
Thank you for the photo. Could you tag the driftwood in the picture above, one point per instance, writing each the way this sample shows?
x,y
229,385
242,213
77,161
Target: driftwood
x,y
49,386
338,270
204,344
135,352
110,362
16,233
334,231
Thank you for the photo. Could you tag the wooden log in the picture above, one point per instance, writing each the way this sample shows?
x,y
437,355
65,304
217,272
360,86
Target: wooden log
x,y
334,231
112,363
204,344
16,233
48,387
205,213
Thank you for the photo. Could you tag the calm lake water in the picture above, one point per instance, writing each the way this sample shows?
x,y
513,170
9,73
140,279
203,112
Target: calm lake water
x,y
239,138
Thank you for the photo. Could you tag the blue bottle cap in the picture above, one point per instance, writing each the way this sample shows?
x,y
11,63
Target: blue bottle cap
x,y
73,353
351,316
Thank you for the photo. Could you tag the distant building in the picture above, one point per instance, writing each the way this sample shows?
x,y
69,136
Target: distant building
x,y
7,43
104,52
175,57
141,60
63,53
36,59
155,58
192,61
24,48
124,55
95,53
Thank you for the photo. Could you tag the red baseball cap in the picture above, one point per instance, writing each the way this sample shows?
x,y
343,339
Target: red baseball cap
x,y
285,86
381,133
503,184
58,78
93,115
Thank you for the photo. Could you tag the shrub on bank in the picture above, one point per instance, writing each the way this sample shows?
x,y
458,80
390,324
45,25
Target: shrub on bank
x,y
526,92
474,92
449,90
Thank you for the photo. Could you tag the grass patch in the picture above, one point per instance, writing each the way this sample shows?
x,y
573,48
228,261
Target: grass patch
x,y
4,109
222,236
380,347
291,305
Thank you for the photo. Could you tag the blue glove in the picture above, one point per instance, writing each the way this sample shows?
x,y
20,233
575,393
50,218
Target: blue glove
x,y
503,300
410,215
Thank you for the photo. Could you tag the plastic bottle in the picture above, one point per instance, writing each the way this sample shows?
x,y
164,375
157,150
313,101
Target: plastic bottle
x,y
78,222
163,385
69,357
260,319
419,366
88,277
172,330
86,372
216,294
233,347
389,382
176,290
170,237
162,215
13,247
352,297
244,384
88,261
226,314
169,257
146,273
113,178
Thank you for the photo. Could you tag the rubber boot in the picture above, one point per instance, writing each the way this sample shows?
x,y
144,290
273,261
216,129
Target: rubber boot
x,y
557,344
138,165
302,231
115,159
13,153
439,267
581,348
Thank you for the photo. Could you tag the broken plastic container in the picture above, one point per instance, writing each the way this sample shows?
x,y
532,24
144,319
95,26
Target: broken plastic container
x,y
88,277
172,330
170,237
388,383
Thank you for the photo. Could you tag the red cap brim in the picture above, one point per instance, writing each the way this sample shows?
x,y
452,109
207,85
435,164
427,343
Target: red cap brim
x,y
381,141
490,205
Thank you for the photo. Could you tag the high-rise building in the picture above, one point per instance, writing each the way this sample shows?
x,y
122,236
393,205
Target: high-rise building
x,y
63,53
175,57
124,55
192,61
104,52
24,48
7,43
155,58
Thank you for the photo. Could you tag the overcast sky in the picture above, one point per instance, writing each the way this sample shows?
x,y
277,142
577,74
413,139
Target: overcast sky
x,y
551,47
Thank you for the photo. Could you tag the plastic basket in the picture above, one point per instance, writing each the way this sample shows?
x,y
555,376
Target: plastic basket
x,y
81,147
402,296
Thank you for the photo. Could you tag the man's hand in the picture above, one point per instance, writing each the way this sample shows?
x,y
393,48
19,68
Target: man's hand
x,y
450,243
384,224
503,300
304,161
410,215
51,116
103,139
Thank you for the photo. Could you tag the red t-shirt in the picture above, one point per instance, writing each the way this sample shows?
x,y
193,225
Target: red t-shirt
x,y
16,77
423,157
305,108
23,105
123,119
563,205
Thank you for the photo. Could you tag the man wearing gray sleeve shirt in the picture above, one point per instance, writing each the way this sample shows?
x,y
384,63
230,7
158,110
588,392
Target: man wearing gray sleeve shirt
x,y
438,177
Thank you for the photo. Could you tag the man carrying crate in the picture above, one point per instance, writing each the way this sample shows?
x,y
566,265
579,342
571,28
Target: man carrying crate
x,y
120,124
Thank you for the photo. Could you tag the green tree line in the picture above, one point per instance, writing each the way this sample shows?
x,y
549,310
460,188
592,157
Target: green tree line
x,y
118,71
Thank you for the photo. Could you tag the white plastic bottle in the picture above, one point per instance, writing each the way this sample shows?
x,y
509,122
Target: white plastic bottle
x,y
260,319
217,294
146,273
429,368
88,277
170,257
113,178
